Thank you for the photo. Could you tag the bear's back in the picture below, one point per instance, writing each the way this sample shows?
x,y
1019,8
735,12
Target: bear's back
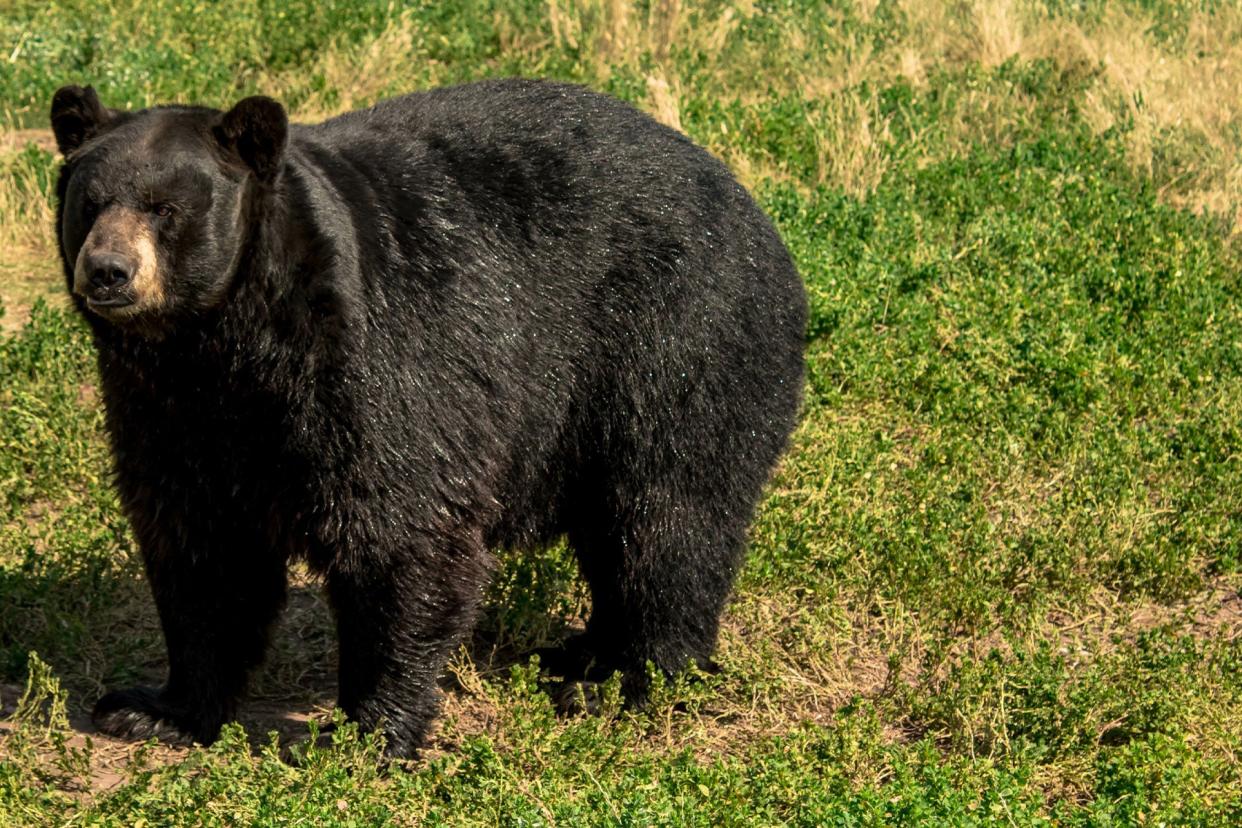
x,y
531,113
540,173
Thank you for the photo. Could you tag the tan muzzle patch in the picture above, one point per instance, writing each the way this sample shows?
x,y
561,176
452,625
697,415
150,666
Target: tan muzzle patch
x,y
127,233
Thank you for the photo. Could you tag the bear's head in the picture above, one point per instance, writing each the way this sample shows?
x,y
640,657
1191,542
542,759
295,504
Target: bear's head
x,y
155,206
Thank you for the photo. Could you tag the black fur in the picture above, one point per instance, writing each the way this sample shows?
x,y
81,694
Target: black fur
x,y
77,115
479,317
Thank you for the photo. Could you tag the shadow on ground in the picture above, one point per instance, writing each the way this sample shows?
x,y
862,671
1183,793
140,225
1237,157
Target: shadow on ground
x,y
97,629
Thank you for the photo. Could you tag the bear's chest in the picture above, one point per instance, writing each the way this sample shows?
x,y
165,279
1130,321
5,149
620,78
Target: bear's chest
x,y
197,424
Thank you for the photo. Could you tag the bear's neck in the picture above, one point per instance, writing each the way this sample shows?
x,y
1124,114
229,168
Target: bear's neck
x,y
305,241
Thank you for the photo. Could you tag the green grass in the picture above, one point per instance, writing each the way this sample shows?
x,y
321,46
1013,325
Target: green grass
x,y
995,580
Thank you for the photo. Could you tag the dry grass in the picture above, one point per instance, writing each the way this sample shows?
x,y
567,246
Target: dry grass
x,y
351,77
1177,98
997,34
851,139
29,268
27,275
663,99
1183,96
26,217
613,32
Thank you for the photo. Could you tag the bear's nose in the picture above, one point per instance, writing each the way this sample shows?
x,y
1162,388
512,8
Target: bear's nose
x,y
109,270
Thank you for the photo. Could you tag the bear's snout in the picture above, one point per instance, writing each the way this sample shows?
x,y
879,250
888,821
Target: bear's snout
x,y
117,268
108,274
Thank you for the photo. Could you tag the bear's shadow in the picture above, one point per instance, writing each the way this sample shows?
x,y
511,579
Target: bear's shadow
x,y
536,601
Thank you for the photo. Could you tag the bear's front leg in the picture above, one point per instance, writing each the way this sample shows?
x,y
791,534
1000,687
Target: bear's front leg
x,y
399,617
215,609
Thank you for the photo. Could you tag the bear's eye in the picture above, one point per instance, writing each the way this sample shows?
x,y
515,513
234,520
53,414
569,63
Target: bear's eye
x,y
162,210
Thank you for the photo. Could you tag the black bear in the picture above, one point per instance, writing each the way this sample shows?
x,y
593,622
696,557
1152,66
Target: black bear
x,y
469,319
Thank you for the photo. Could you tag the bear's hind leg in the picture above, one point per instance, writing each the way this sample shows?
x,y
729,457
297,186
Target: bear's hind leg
x,y
660,567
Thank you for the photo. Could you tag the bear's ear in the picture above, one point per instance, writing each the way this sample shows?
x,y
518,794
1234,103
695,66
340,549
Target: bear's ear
x,y
255,131
77,116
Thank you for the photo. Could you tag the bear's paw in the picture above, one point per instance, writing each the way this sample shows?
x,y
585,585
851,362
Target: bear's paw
x,y
140,713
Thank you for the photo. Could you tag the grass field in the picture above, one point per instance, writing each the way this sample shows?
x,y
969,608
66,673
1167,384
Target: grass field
x,y
995,580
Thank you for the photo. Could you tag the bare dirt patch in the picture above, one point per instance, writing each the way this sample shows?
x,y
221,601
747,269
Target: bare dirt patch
x,y
16,139
25,277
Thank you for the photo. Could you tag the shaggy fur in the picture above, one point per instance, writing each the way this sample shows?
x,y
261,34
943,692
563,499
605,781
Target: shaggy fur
x,y
475,318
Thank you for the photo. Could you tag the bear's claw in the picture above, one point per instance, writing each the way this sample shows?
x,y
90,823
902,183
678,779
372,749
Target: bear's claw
x,y
138,713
